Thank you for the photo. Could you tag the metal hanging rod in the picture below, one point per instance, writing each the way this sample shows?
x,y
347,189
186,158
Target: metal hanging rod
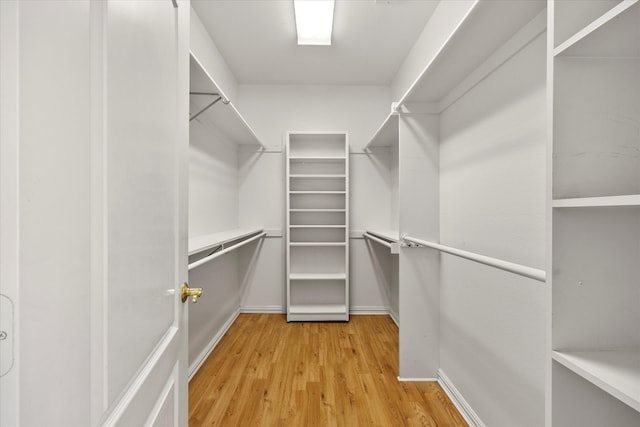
x,y
522,270
219,97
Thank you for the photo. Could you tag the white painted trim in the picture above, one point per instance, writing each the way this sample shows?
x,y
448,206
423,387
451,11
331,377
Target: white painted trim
x,y
202,357
395,317
263,309
10,201
459,401
417,380
377,310
125,398
169,385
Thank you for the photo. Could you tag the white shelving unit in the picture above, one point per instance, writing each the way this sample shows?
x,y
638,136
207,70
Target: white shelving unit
x,y
317,226
595,294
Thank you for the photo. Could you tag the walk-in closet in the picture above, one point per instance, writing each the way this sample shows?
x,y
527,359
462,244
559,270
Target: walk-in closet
x,y
430,216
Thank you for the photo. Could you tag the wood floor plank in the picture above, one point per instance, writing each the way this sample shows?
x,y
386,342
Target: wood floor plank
x,y
267,372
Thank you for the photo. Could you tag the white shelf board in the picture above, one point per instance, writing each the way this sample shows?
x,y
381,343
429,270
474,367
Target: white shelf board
x,y
476,39
316,158
628,200
318,309
317,244
387,133
617,45
316,192
616,372
314,276
318,226
317,210
328,176
223,115
208,241
391,235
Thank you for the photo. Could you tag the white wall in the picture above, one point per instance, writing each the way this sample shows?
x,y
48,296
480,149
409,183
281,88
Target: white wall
x,y
492,202
213,179
213,207
274,110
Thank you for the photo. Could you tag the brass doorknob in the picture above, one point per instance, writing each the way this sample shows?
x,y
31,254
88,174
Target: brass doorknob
x,y
187,292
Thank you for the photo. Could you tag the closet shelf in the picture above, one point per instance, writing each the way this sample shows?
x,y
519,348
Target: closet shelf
x,y
202,243
321,176
627,200
616,372
317,210
318,226
318,276
318,309
316,192
317,159
612,45
224,116
388,238
387,133
317,244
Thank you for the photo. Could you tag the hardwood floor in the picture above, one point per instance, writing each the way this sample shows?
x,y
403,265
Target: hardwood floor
x,y
267,372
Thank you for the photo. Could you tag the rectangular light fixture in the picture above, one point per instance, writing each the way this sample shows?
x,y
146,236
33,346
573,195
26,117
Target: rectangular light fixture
x,y
314,21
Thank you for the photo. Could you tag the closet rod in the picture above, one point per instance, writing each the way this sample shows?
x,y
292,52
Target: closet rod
x,y
219,97
367,235
522,270
229,249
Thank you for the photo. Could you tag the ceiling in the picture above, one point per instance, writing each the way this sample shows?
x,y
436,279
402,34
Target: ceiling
x,y
371,38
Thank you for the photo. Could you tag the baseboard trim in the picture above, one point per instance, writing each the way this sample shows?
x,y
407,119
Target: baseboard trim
x,y
368,310
263,309
408,380
395,317
458,400
197,363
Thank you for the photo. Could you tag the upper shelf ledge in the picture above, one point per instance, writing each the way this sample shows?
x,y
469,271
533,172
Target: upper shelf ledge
x,y
224,117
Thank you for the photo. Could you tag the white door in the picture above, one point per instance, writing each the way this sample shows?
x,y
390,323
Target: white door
x,y
100,92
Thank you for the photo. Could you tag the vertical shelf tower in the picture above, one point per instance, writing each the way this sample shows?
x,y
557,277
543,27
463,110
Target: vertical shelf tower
x,y
317,226
594,49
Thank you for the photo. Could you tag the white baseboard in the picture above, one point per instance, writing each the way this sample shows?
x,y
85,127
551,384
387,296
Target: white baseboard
x,y
266,309
197,363
395,317
368,310
408,380
458,400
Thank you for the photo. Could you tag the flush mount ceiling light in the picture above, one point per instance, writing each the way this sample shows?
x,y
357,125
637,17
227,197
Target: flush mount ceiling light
x,y
314,21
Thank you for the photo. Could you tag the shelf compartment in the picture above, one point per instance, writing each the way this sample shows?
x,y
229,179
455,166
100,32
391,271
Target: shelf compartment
x,y
616,372
317,144
309,166
318,234
305,259
317,183
317,217
317,201
596,128
317,292
595,293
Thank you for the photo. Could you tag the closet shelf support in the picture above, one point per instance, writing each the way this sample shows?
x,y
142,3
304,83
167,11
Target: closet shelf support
x,y
211,104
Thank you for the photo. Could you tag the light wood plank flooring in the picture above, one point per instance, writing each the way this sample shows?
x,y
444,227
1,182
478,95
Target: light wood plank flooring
x,y
267,372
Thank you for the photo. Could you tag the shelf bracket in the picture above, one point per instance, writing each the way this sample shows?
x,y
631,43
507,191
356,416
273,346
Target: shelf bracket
x,y
211,104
